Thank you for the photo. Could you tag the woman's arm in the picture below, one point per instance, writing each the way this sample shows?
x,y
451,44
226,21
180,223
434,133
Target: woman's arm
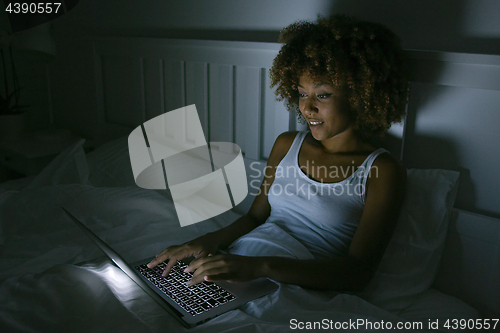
x,y
384,197
342,273
260,210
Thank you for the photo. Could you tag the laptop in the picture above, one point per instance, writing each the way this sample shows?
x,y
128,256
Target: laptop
x,y
191,305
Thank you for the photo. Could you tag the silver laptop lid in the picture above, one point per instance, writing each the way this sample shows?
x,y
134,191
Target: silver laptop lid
x,y
245,291
122,264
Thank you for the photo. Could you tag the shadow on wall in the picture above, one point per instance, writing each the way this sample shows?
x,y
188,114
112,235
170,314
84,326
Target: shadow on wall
x,y
432,137
444,25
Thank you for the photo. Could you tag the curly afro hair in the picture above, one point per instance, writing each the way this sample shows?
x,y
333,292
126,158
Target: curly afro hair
x,y
364,59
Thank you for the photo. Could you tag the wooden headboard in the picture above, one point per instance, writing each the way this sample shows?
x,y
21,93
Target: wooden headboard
x,y
138,79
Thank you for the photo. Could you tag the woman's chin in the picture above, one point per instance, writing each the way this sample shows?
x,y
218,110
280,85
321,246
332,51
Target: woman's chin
x,y
317,133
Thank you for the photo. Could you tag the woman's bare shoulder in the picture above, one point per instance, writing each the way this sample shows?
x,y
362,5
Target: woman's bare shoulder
x,y
390,163
389,169
284,141
281,146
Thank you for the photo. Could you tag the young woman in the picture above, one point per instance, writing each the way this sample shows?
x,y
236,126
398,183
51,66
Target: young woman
x,y
329,190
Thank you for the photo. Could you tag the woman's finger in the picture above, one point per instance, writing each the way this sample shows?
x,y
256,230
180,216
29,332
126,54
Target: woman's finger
x,y
218,273
179,255
171,262
172,255
160,257
195,264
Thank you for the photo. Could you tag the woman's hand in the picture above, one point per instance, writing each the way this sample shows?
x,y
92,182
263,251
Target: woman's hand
x,y
227,267
203,246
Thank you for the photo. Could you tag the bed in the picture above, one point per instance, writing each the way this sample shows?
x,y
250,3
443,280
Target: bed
x,y
441,267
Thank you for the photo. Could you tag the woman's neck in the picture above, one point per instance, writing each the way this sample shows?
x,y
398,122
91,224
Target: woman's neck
x,y
344,142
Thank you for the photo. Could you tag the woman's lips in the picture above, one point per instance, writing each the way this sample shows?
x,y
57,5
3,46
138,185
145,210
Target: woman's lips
x,y
314,122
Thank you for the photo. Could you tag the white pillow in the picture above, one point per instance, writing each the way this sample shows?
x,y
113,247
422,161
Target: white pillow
x,y
69,167
109,165
411,260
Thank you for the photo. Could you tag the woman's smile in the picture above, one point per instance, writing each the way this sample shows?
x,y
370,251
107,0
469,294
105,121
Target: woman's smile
x,y
324,107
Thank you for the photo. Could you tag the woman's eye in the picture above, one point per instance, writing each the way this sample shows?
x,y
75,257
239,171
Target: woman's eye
x,y
320,96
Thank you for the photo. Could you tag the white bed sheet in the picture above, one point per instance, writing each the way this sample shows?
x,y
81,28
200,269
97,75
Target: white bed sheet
x,y
54,279
42,289
99,297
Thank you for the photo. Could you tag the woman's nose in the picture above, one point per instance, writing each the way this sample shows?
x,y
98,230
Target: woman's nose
x,y
309,106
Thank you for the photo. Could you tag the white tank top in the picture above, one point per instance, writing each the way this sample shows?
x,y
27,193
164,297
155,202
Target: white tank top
x,y
322,216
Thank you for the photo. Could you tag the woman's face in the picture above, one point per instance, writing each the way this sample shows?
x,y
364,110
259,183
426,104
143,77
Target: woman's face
x,y
324,107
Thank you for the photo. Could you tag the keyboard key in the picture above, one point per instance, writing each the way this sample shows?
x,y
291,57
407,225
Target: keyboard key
x,y
206,306
213,302
194,299
199,309
221,300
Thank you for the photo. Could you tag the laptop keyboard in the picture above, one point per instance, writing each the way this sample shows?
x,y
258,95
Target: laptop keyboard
x,y
194,299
